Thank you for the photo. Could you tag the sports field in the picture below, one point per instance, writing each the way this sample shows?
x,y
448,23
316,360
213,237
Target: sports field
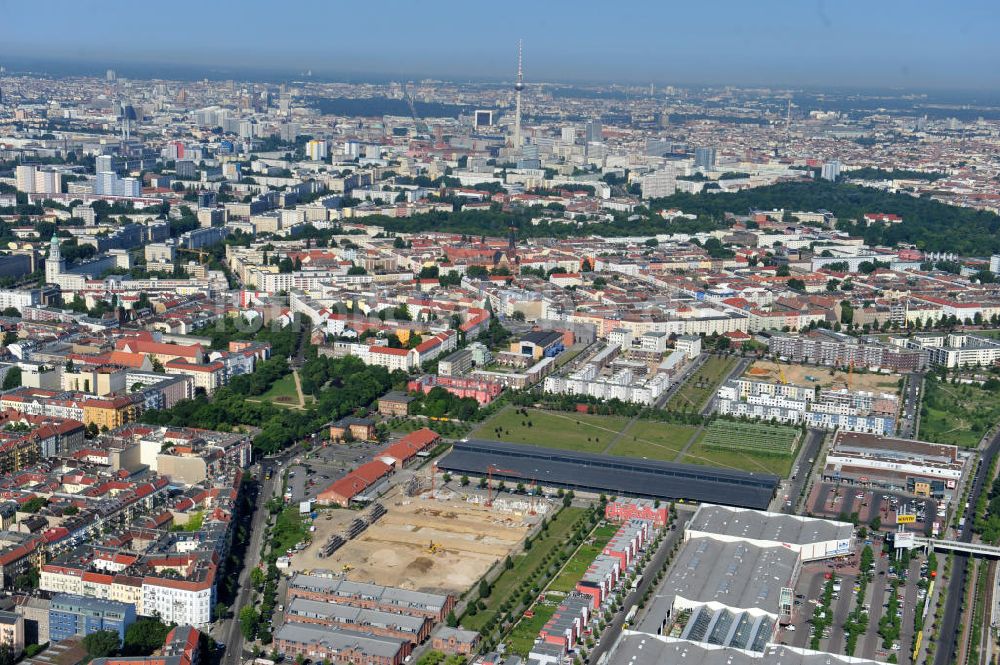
x,y
695,392
740,460
755,437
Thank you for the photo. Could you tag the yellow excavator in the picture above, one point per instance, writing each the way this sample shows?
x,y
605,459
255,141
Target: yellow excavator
x,y
433,548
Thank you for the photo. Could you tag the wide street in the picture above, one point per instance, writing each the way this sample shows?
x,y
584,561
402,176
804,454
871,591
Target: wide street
x,y
657,563
228,631
953,604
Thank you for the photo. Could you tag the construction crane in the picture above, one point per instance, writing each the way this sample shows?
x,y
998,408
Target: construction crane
x,y
202,254
781,374
489,482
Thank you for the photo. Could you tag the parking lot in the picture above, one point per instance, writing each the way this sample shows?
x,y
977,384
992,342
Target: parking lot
x,y
310,474
840,501
809,591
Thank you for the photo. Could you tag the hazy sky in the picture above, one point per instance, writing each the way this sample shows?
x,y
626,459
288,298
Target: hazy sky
x,y
917,43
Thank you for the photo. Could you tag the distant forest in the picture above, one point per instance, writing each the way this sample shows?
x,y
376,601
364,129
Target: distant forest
x,y
868,173
373,107
930,225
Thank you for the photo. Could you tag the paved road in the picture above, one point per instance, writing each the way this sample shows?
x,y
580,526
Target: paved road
x,y
679,380
737,370
801,470
909,415
869,645
614,629
953,603
229,632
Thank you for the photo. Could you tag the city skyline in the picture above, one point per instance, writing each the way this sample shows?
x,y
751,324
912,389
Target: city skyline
x,y
819,44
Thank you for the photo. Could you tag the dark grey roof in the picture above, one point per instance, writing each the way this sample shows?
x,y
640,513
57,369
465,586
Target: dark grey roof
x,y
611,474
333,638
541,337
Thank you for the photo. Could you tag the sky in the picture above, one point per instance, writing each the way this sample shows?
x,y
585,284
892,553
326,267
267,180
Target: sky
x,y
845,43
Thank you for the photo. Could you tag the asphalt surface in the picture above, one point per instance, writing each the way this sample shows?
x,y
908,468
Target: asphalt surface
x,y
801,471
611,632
228,631
737,370
953,604
909,414
679,380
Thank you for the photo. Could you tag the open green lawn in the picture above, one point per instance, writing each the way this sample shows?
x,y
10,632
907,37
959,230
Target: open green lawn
x,y
522,638
560,527
653,440
282,393
700,385
580,562
957,414
779,465
552,429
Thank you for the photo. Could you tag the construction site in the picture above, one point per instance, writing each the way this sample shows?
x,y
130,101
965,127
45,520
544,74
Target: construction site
x,y
824,377
421,538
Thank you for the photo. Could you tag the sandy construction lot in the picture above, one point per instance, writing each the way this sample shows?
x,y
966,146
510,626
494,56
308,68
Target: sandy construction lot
x,y
396,550
825,377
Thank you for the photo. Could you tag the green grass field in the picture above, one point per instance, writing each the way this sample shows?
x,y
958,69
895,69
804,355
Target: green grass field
x,y
699,453
747,437
957,414
282,393
653,440
523,636
574,569
701,385
552,429
560,527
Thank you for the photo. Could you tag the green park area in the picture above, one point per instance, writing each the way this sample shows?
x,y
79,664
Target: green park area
x,y
523,637
653,440
701,385
551,429
524,566
578,564
283,393
649,439
525,632
957,414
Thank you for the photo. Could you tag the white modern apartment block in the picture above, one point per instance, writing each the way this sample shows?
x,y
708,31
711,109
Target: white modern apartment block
x,y
19,298
852,411
622,385
954,349
178,601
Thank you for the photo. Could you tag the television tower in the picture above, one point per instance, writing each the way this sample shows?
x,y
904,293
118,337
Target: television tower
x,y
518,87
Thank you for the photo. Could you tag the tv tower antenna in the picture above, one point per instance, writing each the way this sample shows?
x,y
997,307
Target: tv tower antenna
x,y
518,87
788,117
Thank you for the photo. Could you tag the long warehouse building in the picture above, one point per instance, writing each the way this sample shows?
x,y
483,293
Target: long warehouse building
x,y
607,474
